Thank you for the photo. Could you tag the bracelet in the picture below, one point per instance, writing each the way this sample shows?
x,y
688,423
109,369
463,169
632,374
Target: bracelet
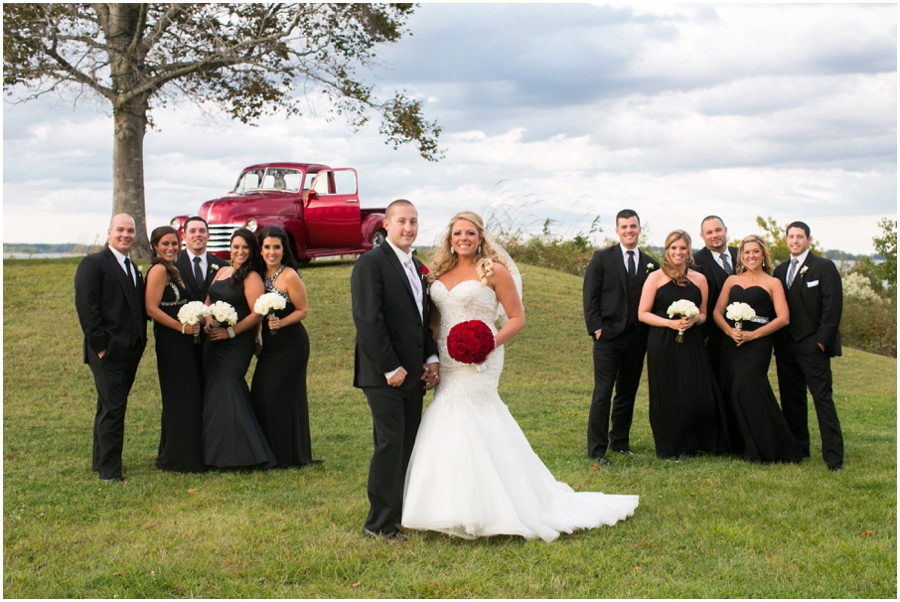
x,y
182,329
230,332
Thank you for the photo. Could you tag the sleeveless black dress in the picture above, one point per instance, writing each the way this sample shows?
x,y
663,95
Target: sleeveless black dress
x,y
759,430
232,436
279,387
685,413
180,443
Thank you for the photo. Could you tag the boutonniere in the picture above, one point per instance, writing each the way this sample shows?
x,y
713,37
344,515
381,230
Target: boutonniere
x,y
649,267
214,267
803,269
140,269
423,269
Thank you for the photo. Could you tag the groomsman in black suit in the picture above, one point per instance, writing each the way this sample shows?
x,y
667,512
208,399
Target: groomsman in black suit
x,y
717,262
109,299
395,361
803,350
611,294
197,269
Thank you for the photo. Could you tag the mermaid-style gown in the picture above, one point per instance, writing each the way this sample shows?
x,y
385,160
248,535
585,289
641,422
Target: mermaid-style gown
x,y
472,472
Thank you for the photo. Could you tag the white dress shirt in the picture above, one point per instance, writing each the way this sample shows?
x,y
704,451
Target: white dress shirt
x,y
415,281
121,259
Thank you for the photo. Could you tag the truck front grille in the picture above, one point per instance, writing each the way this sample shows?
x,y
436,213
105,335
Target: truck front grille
x,y
220,236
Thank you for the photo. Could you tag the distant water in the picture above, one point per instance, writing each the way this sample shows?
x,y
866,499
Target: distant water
x,y
40,255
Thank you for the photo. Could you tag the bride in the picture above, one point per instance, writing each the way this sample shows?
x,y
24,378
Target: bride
x,y
472,472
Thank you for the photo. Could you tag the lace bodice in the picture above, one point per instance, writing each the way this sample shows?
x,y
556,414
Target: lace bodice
x,y
468,300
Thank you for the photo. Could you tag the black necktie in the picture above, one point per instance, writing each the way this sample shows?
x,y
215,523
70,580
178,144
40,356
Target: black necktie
x,y
631,269
198,273
128,271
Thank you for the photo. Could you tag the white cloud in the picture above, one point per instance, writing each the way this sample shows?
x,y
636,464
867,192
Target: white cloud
x,y
566,112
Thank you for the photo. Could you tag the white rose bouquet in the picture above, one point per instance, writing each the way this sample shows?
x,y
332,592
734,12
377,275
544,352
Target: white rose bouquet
x,y
267,305
682,308
190,314
739,313
223,313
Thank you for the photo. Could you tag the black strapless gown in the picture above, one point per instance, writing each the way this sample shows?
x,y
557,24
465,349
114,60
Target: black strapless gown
x,y
232,436
685,403
758,428
180,384
279,391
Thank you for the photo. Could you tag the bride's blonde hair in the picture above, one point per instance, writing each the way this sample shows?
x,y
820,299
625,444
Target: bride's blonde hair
x,y
445,259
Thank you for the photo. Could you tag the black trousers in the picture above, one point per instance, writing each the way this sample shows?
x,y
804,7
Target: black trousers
x,y
396,413
113,378
618,363
802,364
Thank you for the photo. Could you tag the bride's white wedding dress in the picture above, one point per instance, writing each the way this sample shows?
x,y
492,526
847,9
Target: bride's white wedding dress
x,y
472,472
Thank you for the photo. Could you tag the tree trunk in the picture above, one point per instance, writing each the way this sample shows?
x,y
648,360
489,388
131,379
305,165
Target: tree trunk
x,y
120,24
128,169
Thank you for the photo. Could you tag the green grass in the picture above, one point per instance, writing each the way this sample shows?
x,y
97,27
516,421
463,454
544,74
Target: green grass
x,y
705,527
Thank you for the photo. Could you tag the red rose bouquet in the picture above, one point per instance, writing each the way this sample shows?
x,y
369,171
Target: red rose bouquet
x,y
470,342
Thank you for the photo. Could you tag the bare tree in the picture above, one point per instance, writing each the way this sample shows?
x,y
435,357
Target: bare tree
x,y
249,59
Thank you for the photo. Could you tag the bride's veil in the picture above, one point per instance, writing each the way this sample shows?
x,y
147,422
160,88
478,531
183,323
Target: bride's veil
x,y
517,278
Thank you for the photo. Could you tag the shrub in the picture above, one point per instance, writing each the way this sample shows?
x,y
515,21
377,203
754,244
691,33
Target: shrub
x,y
870,325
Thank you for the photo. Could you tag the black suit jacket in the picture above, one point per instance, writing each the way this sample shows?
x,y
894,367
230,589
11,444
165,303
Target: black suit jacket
x,y
605,291
389,331
197,291
715,279
815,301
110,310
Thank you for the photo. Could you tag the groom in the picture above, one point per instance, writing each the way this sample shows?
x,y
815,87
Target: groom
x,y
395,353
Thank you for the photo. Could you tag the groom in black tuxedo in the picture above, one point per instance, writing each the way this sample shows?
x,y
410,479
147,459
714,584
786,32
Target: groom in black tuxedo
x,y
395,360
611,295
109,299
803,349
197,269
716,260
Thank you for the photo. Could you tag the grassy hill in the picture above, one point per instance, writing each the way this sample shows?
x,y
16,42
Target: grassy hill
x,y
705,527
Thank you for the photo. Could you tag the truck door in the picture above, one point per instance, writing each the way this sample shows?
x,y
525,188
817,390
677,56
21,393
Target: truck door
x,y
331,211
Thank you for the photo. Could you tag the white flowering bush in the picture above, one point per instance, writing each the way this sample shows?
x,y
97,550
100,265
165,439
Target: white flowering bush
x,y
857,286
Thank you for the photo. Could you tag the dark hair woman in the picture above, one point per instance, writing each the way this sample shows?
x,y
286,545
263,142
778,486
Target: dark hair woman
x,y
232,436
279,382
180,447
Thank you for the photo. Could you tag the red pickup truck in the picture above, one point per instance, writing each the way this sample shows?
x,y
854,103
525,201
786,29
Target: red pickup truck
x,y
317,205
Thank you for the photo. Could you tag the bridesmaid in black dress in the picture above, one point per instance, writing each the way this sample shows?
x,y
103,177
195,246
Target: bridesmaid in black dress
x,y
279,382
759,430
180,447
232,436
684,399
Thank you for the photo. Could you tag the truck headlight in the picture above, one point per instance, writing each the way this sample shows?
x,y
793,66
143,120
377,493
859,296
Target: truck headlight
x,y
251,225
175,223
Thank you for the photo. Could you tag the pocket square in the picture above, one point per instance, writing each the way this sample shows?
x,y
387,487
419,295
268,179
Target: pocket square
x,y
812,284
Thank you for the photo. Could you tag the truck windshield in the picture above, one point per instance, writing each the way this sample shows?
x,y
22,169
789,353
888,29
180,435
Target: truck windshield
x,y
275,179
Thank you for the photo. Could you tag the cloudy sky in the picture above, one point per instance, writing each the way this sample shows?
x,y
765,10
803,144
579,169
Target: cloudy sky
x,y
549,111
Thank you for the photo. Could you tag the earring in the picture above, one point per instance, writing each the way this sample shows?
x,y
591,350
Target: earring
x,y
479,249
452,252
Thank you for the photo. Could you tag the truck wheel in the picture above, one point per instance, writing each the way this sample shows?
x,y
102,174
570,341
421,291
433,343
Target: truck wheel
x,y
378,238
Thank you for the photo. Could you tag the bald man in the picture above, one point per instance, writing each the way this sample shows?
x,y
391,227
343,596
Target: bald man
x,y
109,299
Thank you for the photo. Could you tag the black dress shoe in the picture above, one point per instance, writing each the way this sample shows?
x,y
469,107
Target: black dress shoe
x,y
835,467
395,536
114,480
627,451
603,461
